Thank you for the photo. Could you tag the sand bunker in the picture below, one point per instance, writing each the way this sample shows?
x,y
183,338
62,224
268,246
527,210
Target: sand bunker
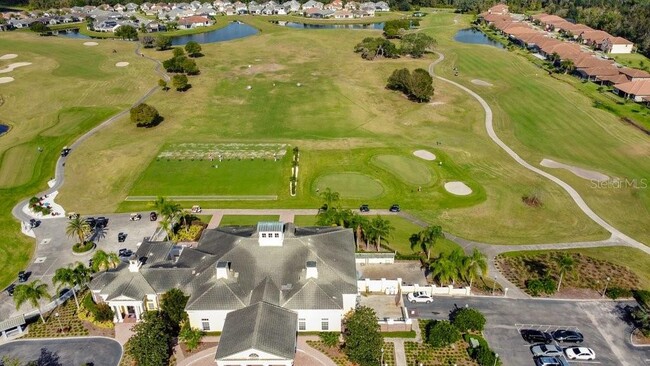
x,y
122,64
8,56
90,43
6,80
458,188
582,173
481,82
13,66
426,155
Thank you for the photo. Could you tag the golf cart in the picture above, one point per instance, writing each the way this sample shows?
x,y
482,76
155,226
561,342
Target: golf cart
x,y
135,217
196,209
153,216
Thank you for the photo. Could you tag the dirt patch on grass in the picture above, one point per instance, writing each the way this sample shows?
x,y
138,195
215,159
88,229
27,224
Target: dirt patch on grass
x,y
587,279
639,339
263,68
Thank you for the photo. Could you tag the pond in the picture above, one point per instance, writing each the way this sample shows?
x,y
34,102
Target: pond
x,y
71,33
329,26
3,129
234,30
474,36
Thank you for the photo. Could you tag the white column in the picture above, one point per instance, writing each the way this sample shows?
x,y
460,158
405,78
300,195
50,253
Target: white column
x,y
138,311
118,314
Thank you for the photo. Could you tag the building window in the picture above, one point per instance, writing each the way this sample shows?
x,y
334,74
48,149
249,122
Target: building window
x,y
151,305
205,323
277,235
264,235
324,324
302,324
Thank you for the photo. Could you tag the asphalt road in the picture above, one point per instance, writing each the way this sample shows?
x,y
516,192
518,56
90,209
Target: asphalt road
x,y
600,322
98,351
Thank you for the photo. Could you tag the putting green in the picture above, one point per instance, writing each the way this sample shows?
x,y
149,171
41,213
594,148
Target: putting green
x,y
350,185
406,169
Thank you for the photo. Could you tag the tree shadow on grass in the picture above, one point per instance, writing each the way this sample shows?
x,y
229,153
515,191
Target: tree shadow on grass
x,y
156,121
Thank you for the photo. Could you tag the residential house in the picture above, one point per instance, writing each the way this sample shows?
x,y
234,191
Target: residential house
x,y
593,38
638,90
318,13
21,23
500,9
131,7
334,5
229,10
119,8
233,268
382,6
194,22
351,5
343,14
617,45
634,74
254,9
312,4
291,6
240,7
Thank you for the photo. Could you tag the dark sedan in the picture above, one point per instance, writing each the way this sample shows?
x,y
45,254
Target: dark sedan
x,y
563,335
536,336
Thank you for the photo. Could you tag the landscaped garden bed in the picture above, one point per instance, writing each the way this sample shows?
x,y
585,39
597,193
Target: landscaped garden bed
x,y
587,276
339,357
66,324
421,353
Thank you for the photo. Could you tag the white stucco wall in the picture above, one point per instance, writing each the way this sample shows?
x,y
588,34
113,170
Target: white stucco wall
x,y
215,317
313,319
262,359
349,302
621,48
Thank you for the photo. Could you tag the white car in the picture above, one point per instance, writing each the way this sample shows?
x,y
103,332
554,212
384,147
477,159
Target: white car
x,y
580,353
419,297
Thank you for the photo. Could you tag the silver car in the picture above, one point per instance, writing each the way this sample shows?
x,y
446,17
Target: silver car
x,y
549,350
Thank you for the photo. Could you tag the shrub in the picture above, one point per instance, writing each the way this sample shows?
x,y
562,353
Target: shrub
x,y
83,247
103,313
144,115
465,319
330,339
539,286
418,85
190,336
618,292
484,356
441,333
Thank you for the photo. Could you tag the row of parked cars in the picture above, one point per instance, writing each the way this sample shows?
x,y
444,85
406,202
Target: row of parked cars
x,y
547,350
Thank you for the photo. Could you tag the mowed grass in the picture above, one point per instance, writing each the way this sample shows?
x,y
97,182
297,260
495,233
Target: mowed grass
x,y
246,220
406,169
340,116
68,89
541,117
350,185
205,177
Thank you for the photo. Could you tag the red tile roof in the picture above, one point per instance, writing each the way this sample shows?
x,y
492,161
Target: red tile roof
x,y
619,40
601,71
638,87
614,79
635,73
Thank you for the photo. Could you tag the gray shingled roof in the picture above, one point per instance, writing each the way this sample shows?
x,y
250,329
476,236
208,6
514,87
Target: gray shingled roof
x,y
266,291
261,326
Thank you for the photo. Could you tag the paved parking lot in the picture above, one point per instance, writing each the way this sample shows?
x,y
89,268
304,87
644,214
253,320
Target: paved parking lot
x,y
97,351
603,329
54,249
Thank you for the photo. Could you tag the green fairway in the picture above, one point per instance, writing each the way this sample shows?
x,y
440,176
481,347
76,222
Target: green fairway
x,y
406,169
204,177
350,185
246,220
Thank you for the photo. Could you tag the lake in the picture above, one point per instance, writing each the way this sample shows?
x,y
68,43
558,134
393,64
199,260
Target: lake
x,y
329,26
232,31
474,36
3,129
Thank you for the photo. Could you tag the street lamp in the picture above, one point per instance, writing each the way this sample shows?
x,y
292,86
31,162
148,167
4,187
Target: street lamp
x,y
381,363
496,358
56,315
605,290
494,285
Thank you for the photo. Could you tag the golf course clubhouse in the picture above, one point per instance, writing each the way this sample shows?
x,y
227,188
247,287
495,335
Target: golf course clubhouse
x,y
305,273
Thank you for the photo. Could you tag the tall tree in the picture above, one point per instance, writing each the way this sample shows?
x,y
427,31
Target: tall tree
x,y
447,267
475,265
104,261
379,229
330,197
193,48
565,265
71,276
144,115
150,343
180,82
172,305
31,292
426,239
78,227
360,224
127,32
363,341
163,43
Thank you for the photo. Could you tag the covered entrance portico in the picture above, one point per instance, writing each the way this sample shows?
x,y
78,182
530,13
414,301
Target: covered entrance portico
x,y
129,311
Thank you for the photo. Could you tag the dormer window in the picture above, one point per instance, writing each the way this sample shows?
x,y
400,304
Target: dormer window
x,y
270,234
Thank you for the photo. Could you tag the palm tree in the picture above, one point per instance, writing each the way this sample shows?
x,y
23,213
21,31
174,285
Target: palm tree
x,y
78,227
71,277
475,264
565,263
169,210
103,260
330,197
426,239
567,65
360,225
31,292
377,229
443,269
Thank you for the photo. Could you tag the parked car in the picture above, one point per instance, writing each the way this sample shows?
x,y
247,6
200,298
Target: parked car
x,y
102,222
551,361
135,217
153,216
580,353
10,289
65,151
419,296
364,208
564,335
394,208
536,336
22,276
125,252
121,237
549,350
91,222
